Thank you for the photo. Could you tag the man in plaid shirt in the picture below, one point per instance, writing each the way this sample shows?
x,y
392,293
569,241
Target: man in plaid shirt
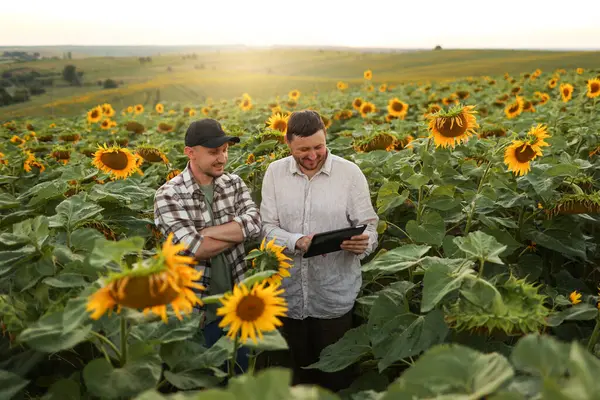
x,y
211,211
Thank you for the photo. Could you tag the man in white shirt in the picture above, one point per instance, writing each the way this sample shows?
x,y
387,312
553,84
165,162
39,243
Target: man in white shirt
x,y
309,192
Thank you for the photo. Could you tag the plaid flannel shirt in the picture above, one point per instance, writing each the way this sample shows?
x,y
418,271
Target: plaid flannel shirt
x,y
179,207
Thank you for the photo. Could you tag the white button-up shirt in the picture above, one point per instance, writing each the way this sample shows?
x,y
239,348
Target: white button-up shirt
x,y
293,206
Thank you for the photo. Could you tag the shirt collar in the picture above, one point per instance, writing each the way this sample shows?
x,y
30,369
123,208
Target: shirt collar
x,y
192,186
325,168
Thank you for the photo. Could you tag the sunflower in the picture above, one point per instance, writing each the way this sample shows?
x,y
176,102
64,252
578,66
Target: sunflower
x,y
166,279
251,159
383,88
579,71
62,156
172,174
544,97
368,75
566,92
519,155
94,115
356,103
528,106
246,104
294,95
106,124
370,88
343,115
433,108
278,122
163,127
593,88
107,110
252,311
513,110
390,118
31,162
118,162
269,256
205,110
453,126
326,121
462,94
135,127
52,125
449,100
552,83
367,108
192,112
17,140
537,134
138,109
70,137
397,108
151,154
129,109
342,85
159,108
575,297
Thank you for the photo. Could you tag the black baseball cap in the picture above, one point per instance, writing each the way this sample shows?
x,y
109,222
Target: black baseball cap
x,y
207,133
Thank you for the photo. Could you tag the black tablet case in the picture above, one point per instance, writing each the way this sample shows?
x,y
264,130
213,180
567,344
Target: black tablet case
x,y
328,242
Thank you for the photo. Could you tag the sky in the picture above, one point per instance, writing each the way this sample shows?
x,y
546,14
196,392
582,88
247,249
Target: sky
x,y
404,24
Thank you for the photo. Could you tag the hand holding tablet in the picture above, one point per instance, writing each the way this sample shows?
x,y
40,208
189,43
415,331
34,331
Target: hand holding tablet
x,y
350,239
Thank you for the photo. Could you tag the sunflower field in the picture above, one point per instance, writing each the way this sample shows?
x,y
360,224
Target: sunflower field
x,y
484,284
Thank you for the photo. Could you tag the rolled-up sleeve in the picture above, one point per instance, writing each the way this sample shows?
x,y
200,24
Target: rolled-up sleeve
x,y
170,216
361,211
247,213
271,226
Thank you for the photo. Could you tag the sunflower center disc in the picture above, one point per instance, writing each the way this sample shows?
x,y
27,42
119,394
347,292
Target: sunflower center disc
x,y
280,126
150,155
397,107
524,153
451,126
595,88
115,160
139,294
250,308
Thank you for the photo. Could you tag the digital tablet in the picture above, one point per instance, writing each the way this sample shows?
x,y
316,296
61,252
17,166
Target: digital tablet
x,y
328,242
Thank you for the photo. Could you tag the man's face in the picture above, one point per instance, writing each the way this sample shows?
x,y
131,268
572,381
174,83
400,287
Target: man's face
x,y
210,162
309,152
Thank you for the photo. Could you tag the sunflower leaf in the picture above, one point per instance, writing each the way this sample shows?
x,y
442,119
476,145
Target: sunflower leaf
x,y
73,212
480,246
10,384
349,349
431,230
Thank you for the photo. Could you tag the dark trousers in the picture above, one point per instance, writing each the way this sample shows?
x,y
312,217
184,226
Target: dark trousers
x,y
306,339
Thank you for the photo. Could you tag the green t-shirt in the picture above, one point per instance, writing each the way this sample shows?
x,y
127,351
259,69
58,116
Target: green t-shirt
x,y
220,273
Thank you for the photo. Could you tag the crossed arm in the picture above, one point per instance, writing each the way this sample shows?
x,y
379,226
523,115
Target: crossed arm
x,y
212,240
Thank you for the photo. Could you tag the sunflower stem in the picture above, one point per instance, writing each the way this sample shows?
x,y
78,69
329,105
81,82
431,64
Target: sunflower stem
x,y
236,345
595,334
472,210
123,340
252,361
108,342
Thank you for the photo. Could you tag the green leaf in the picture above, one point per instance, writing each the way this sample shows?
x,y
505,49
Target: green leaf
x,y
431,230
452,372
103,380
417,180
266,145
425,332
35,230
127,193
63,389
191,379
10,384
48,335
173,331
441,279
189,355
7,201
579,312
388,197
557,240
42,192
397,259
349,349
541,356
257,277
107,251
480,246
442,203
13,258
74,211
75,313
270,384
271,340
66,280
562,170
583,369
85,239
389,304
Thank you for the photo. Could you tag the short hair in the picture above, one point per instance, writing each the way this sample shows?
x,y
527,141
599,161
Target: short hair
x,y
304,123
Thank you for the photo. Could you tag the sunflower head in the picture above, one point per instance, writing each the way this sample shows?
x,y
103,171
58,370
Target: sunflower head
x,y
383,88
94,115
377,141
397,108
368,74
107,110
519,155
367,108
566,91
252,311
278,122
514,109
151,154
138,109
163,127
462,94
159,108
356,103
246,104
593,88
453,126
577,203
270,257
135,127
294,95
342,85
106,124
151,285
552,83
579,71
172,174
119,163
